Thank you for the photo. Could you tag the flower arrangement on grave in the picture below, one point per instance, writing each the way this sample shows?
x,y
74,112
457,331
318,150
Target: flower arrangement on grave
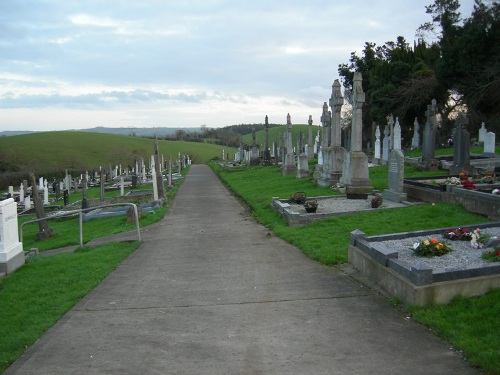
x,y
430,248
495,191
311,205
459,234
492,255
463,175
466,184
453,181
299,197
487,179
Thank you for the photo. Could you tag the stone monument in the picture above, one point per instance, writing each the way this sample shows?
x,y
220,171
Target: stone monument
x,y
310,140
11,250
415,141
482,133
355,175
289,166
266,157
376,155
396,169
489,144
461,146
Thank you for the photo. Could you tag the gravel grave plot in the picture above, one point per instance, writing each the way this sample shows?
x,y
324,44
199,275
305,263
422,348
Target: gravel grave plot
x,y
463,255
336,205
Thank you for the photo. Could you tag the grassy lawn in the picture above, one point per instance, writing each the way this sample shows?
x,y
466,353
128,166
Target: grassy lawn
x,y
38,294
66,230
470,324
34,297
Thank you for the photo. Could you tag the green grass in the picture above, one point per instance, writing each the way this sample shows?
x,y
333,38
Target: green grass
x,y
470,324
66,231
34,297
327,241
83,150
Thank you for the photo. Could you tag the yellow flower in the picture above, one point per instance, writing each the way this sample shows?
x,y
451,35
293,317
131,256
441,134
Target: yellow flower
x,y
426,243
439,246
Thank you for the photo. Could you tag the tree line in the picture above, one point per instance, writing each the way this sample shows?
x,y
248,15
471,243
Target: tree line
x,y
455,60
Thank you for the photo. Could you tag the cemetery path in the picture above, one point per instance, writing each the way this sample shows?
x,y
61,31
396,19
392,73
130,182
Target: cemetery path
x,y
212,292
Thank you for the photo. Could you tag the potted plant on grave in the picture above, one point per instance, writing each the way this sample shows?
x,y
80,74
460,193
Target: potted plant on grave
x,y
311,205
377,201
299,197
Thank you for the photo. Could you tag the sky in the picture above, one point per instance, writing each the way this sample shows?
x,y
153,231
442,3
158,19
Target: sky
x,y
173,63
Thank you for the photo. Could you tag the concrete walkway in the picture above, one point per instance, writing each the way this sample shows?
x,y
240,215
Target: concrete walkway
x,y
212,292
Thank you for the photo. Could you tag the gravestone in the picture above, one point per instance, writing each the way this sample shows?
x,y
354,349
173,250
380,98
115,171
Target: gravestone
x,y
122,187
310,140
482,133
429,139
355,175
266,157
44,230
376,156
255,154
390,126
21,193
158,171
85,203
169,183
153,177
461,146
396,135
334,154
101,185
415,141
303,166
325,128
11,250
45,193
289,166
385,146
489,144
395,176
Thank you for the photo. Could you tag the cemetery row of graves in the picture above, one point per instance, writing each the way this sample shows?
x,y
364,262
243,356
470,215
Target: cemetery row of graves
x,y
471,181
121,192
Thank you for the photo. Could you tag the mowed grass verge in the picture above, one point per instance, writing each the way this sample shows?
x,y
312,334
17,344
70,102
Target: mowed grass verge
x,y
34,297
470,324
37,295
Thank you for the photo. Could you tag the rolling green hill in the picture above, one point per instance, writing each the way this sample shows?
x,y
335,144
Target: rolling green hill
x,y
83,150
274,134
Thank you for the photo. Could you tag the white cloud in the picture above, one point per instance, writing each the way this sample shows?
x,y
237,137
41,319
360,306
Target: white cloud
x,y
214,62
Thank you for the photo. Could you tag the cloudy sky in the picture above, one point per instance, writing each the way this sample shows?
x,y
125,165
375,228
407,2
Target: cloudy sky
x,y
174,63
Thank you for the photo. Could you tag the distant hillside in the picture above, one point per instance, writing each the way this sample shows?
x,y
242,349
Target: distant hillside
x,y
10,133
139,132
82,150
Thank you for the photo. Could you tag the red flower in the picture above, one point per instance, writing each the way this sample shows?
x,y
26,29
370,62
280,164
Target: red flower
x,y
434,241
497,253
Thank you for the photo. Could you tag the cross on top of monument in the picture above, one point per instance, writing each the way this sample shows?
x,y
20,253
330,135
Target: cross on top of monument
x,y
358,95
325,117
336,100
461,120
310,122
390,120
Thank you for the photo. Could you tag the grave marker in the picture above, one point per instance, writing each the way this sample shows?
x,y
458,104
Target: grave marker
x,y
489,144
355,173
11,250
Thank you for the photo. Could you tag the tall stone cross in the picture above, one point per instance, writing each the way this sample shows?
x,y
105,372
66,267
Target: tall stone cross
x,y
336,102
325,120
357,113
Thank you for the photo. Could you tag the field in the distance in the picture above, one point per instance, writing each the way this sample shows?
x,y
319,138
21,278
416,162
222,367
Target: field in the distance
x,y
82,150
